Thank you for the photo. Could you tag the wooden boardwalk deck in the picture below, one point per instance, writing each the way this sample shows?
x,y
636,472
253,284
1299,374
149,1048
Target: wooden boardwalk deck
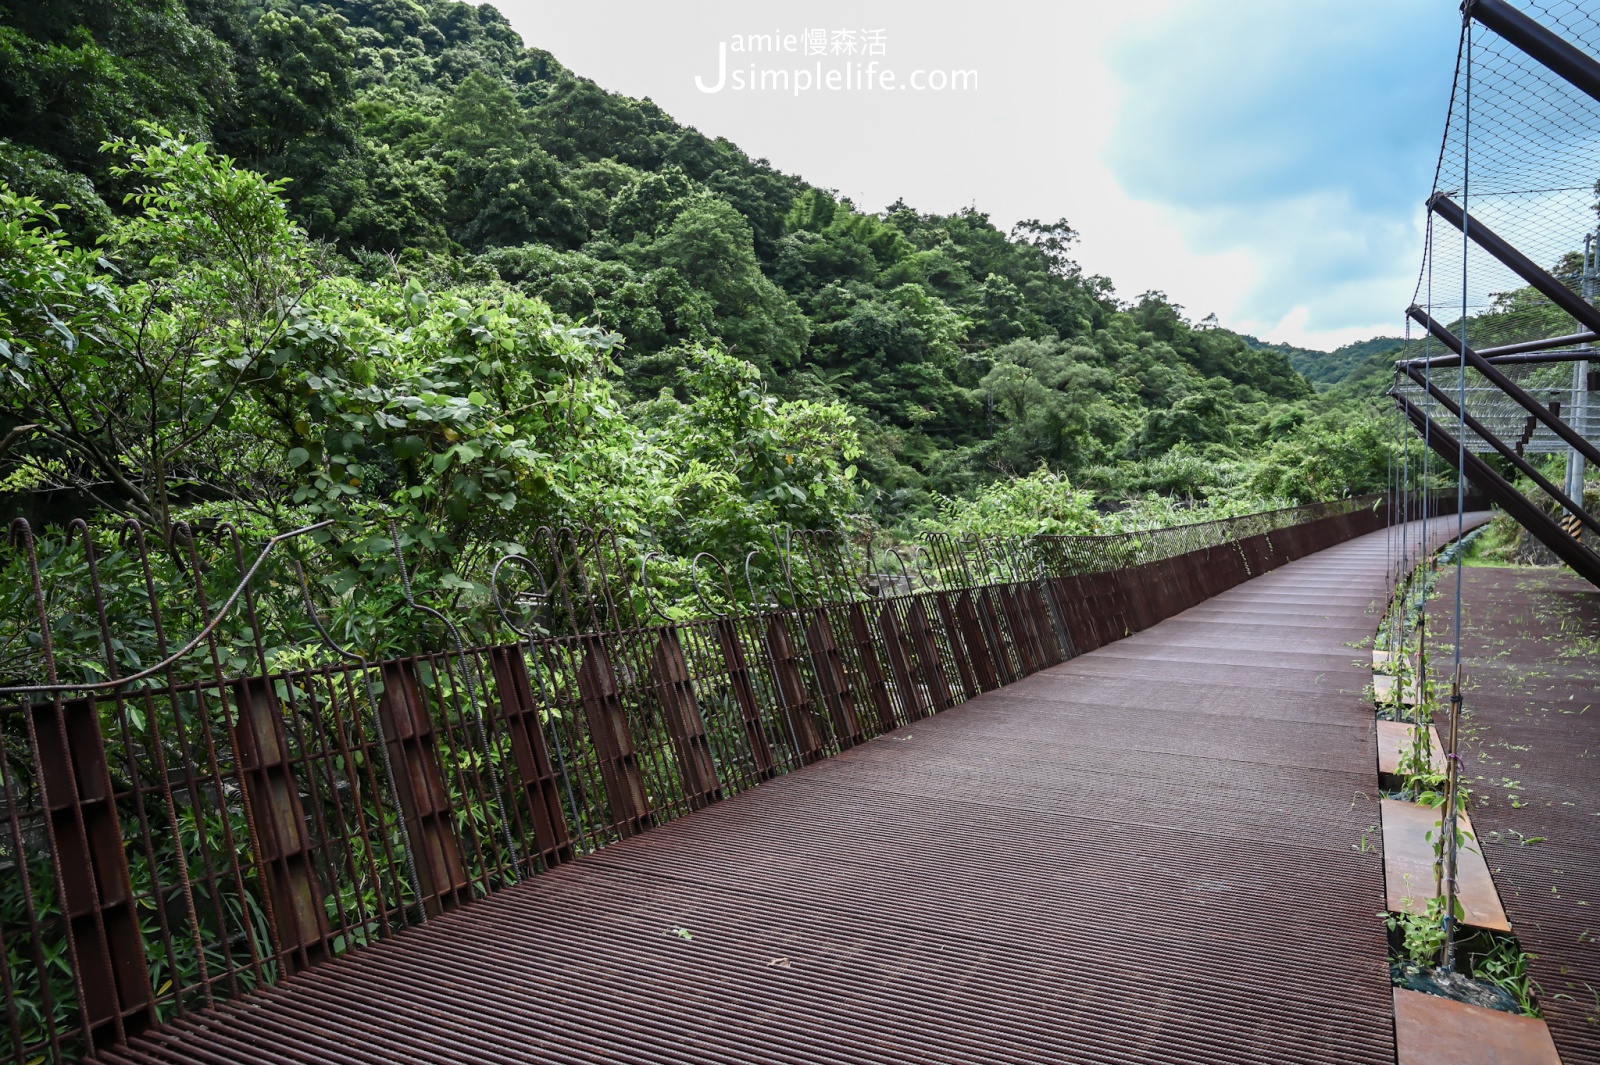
x,y
1531,653
1153,852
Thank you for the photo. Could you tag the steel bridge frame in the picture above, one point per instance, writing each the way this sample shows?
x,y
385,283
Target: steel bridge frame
x,y
1583,72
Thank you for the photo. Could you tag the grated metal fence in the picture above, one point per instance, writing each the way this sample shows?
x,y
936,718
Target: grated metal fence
x,y
177,835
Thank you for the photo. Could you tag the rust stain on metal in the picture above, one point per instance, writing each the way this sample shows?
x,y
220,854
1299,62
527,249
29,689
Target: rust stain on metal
x,y
1409,834
1394,741
1430,1030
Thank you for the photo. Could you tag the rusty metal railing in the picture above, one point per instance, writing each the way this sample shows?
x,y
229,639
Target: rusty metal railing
x,y
962,560
186,819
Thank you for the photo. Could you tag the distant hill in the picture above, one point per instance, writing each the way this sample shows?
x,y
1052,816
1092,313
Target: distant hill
x,y
1328,368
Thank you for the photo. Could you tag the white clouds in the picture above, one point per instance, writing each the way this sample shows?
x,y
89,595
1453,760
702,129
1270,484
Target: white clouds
x,y
1186,141
1304,134
1324,271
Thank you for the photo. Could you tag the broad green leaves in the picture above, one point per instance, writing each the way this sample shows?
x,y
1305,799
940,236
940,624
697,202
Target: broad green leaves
x,y
221,367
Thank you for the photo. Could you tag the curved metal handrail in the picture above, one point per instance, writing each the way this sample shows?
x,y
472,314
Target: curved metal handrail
x,y
149,671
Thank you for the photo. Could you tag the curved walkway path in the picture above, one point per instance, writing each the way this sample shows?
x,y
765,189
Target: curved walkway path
x,y
1162,851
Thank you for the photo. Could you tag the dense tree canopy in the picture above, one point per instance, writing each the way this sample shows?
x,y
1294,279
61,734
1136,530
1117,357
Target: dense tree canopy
x,y
477,287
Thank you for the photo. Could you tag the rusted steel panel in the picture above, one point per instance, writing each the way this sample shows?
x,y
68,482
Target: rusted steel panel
x,y
1036,617
675,693
898,646
1259,554
877,684
91,867
837,691
1072,611
927,653
1430,1030
1022,635
419,782
741,682
613,739
963,650
535,773
1048,627
968,624
792,691
1091,608
989,622
286,852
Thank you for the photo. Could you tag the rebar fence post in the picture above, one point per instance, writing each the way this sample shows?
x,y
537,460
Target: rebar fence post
x,y
613,739
551,833
91,867
669,674
288,852
419,783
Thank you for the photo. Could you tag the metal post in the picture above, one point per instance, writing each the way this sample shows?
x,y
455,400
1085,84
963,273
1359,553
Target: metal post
x,y
537,777
1559,55
408,730
613,739
1551,420
1447,953
669,674
866,649
900,664
1580,383
288,855
1576,465
104,945
742,686
827,664
792,689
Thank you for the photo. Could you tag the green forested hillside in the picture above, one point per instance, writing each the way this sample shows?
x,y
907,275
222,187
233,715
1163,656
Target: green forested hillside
x,y
1327,368
436,167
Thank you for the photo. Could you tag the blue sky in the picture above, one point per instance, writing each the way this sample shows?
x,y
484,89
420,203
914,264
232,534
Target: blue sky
x,y
1304,132
1265,160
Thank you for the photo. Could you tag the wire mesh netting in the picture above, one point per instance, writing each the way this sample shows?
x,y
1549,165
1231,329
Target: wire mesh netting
x,y
1520,157
1501,335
